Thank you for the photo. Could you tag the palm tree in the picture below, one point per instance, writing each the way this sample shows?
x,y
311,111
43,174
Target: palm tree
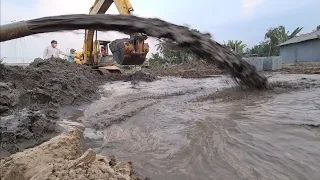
x,y
236,46
277,36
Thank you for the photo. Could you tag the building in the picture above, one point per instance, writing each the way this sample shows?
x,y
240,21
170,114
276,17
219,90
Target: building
x,y
303,48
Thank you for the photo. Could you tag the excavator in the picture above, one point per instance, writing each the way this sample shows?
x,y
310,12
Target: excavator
x,y
126,51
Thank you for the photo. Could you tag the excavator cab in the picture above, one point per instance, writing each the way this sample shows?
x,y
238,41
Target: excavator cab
x,y
130,51
104,61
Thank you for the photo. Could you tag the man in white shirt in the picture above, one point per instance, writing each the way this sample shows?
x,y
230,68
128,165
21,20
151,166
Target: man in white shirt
x,y
52,51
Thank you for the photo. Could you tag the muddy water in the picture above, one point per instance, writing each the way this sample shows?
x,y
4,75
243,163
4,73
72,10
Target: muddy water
x,y
168,137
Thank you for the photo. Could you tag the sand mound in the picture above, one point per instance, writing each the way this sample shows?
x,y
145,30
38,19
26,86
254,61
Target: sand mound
x,y
61,158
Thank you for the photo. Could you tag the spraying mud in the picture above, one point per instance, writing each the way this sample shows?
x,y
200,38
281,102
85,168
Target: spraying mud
x,y
200,44
180,128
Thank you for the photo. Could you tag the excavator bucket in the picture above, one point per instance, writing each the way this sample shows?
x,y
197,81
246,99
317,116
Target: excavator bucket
x,y
126,53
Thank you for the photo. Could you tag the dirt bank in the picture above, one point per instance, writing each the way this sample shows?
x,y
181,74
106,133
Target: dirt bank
x,y
50,83
141,76
61,158
302,68
244,94
190,69
31,96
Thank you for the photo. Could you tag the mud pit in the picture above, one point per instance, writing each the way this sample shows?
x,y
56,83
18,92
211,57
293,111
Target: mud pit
x,y
184,128
172,128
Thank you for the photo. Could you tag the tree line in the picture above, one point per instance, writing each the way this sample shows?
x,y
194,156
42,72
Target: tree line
x,y
170,53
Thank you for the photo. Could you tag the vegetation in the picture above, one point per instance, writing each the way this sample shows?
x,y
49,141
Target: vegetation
x,y
236,46
156,59
261,50
2,68
169,52
270,45
278,35
318,28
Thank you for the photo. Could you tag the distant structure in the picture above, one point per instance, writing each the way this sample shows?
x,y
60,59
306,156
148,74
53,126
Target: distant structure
x,y
303,48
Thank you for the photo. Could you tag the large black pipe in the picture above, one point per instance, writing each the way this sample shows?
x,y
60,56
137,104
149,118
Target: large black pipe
x,y
202,45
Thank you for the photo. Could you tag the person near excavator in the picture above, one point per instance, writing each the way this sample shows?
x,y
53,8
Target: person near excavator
x,y
52,51
102,55
71,56
103,51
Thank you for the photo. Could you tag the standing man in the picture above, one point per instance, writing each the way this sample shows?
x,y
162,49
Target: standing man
x,y
52,51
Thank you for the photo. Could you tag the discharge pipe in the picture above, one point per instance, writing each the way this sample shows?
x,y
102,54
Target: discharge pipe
x,y
200,44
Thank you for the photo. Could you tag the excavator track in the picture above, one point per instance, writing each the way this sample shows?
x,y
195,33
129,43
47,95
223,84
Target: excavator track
x,y
200,44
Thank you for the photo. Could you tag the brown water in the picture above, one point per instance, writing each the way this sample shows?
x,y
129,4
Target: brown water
x,y
168,137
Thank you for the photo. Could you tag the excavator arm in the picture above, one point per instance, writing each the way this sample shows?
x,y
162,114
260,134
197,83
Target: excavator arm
x,y
122,48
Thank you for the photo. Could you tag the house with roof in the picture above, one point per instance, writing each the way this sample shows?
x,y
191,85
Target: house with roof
x,y
303,48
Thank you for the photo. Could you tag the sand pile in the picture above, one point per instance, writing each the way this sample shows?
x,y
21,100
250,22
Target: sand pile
x,y
61,158
48,84
30,97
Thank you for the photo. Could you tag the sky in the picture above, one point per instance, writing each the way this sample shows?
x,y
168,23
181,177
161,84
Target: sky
x,y
246,20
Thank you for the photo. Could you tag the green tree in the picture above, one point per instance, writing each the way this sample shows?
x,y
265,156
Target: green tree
x,y
236,46
318,28
278,35
260,50
174,54
156,59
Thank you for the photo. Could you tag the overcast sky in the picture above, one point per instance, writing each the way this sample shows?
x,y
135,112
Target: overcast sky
x,y
245,20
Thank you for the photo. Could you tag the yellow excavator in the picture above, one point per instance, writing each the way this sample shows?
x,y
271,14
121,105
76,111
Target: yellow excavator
x,y
126,51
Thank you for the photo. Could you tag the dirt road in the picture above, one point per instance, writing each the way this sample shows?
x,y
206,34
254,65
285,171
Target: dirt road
x,y
177,129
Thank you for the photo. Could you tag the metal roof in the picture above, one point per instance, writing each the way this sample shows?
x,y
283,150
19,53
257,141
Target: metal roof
x,y
303,37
